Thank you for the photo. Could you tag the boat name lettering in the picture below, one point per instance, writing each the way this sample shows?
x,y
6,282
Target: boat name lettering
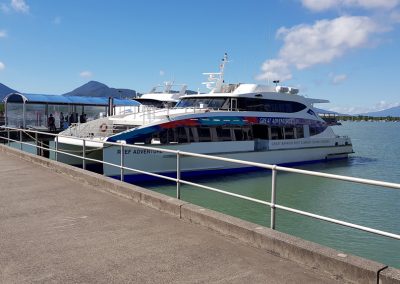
x,y
141,151
303,142
275,120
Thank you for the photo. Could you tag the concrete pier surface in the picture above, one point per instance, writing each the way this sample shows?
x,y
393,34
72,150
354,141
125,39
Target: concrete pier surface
x,y
56,229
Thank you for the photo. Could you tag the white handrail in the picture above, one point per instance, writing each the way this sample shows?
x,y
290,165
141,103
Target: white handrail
x,y
178,180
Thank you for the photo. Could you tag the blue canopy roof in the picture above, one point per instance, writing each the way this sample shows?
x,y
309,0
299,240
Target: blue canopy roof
x,y
71,100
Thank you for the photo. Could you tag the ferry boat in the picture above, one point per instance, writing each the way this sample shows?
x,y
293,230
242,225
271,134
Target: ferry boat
x,y
163,96
252,122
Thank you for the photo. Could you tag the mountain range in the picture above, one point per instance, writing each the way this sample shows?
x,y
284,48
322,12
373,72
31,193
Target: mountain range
x,y
4,91
97,89
393,111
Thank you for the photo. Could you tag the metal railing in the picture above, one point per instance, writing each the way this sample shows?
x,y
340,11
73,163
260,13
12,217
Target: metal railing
x,y
178,180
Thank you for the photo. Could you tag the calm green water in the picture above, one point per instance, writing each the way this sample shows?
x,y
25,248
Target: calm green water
x,y
377,156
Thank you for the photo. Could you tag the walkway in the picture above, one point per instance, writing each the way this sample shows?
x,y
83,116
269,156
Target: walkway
x,y
54,229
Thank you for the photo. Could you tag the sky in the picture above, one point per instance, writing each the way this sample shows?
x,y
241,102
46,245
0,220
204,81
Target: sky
x,y
346,51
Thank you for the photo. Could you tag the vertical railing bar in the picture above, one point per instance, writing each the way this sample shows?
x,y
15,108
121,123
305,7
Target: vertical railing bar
x,y
56,152
36,142
122,162
273,195
20,140
8,136
84,154
178,175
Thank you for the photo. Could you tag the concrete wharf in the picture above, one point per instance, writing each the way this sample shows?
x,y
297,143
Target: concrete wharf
x,y
62,224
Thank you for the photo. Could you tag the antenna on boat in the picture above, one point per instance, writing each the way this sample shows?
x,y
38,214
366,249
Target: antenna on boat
x,y
216,79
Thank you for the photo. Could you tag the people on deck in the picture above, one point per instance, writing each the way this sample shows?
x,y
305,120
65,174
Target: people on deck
x,y
82,118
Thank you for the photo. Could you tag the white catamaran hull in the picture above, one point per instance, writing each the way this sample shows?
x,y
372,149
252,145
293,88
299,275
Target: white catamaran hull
x,y
277,152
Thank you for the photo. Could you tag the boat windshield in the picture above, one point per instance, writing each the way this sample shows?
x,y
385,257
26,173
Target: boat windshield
x,y
155,103
205,102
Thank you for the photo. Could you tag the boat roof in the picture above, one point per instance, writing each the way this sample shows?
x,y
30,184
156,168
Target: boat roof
x,y
248,90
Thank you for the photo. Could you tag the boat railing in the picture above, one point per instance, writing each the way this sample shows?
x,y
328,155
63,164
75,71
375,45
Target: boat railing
x,y
275,169
101,127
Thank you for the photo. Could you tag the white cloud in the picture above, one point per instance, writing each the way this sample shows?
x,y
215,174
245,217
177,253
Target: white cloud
x,y
275,69
20,6
337,79
2,66
307,45
322,5
3,33
86,74
395,16
162,73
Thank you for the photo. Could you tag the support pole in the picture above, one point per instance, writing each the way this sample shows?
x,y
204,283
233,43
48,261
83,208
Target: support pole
x,y
178,175
273,194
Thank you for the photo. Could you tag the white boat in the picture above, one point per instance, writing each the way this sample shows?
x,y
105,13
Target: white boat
x,y
259,123
163,96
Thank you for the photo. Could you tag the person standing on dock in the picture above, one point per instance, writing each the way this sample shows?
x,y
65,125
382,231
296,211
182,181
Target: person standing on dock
x,y
51,123
62,119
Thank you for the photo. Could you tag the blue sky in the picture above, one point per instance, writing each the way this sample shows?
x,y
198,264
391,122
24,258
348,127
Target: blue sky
x,y
346,51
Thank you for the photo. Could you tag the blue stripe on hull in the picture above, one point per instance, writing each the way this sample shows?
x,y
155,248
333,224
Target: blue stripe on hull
x,y
142,178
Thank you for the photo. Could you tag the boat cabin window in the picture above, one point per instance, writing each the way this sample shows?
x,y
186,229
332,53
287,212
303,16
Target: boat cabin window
x,y
260,131
253,104
181,135
276,133
288,132
299,132
314,130
224,134
204,102
156,103
204,134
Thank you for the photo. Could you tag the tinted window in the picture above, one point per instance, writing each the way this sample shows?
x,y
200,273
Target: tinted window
x,y
224,134
260,131
214,103
299,132
253,104
314,130
289,132
204,134
276,133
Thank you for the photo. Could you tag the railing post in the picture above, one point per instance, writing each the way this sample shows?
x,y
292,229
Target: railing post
x,y
273,191
20,140
56,152
178,175
8,136
84,154
37,144
122,162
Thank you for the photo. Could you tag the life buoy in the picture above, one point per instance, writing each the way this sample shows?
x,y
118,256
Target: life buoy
x,y
103,127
